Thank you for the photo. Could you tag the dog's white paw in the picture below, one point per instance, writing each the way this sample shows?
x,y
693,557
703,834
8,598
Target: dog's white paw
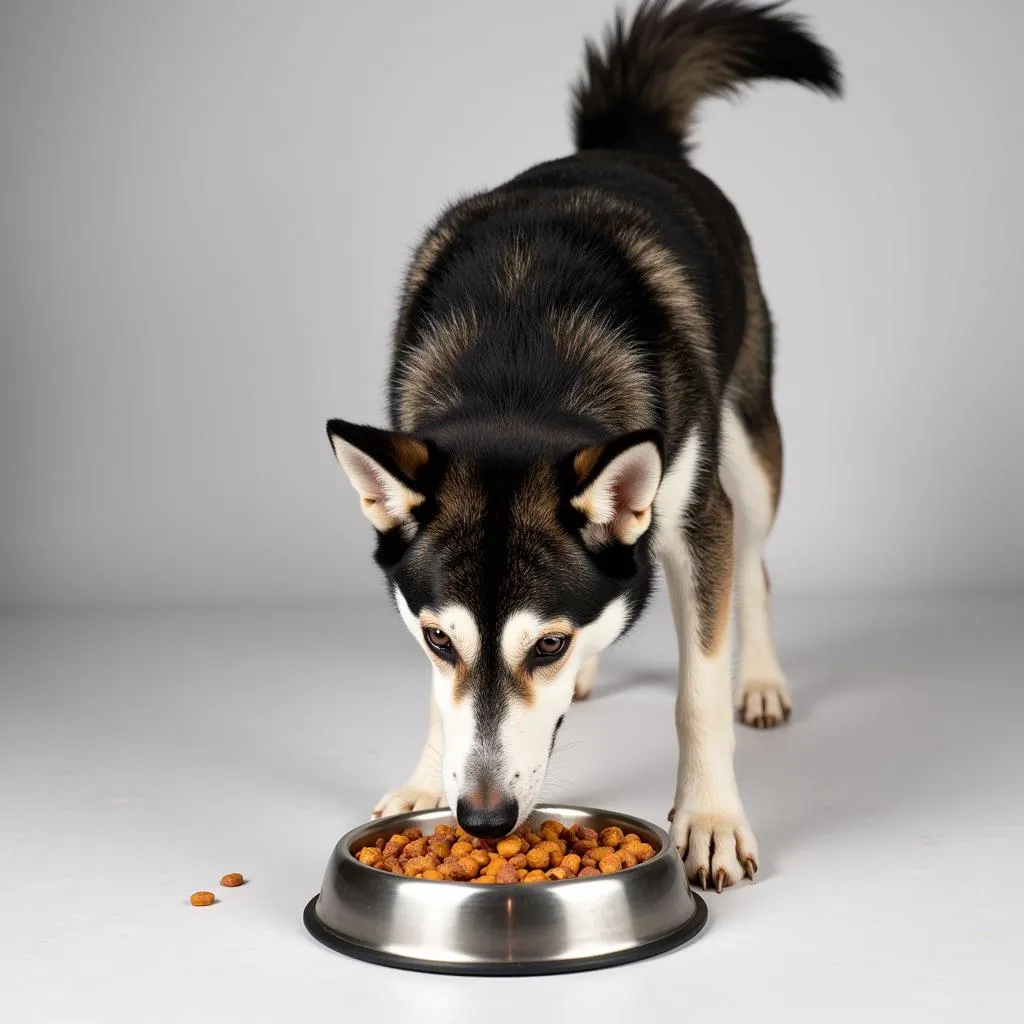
x,y
585,677
408,798
764,705
717,849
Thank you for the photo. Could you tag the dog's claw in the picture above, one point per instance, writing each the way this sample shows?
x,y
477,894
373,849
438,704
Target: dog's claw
x,y
672,814
720,879
750,867
702,875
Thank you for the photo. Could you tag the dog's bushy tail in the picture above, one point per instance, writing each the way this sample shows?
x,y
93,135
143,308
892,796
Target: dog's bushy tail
x,y
639,90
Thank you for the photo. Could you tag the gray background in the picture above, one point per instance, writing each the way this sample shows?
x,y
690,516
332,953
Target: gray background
x,y
204,212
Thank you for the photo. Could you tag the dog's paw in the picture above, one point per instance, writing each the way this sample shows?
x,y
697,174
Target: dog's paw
x,y
585,677
718,850
408,798
764,705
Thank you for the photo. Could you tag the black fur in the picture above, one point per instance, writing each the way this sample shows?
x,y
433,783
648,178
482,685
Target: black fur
x,y
620,102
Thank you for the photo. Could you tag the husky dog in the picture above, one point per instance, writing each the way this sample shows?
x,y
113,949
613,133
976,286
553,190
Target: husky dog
x,y
581,387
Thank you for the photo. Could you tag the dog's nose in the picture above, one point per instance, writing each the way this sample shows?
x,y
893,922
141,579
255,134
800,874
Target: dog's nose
x,y
487,818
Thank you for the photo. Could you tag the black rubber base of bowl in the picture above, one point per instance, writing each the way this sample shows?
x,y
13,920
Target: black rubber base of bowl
x,y
501,969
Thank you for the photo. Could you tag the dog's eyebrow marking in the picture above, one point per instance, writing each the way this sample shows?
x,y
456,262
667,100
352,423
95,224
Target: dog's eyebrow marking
x,y
522,630
518,635
459,624
453,619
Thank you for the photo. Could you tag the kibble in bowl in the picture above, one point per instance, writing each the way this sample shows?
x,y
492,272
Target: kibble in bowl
x,y
555,852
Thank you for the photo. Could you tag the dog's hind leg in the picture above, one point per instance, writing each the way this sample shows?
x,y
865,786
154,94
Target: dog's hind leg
x,y
750,468
423,790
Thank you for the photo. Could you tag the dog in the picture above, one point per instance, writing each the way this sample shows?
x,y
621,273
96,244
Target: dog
x,y
580,389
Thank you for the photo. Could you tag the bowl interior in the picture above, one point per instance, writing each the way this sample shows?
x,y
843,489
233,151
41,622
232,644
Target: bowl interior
x,y
426,821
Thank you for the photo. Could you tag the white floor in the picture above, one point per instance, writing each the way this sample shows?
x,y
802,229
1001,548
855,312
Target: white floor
x,y
141,757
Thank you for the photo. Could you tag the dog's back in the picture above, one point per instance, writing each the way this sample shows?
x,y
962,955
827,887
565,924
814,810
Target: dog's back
x,y
610,290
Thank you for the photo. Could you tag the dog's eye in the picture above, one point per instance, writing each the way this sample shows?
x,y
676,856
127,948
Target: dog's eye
x,y
550,646
438,639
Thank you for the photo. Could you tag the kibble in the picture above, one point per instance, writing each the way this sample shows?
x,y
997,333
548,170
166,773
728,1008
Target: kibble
x,y
202,899
230,881
554,853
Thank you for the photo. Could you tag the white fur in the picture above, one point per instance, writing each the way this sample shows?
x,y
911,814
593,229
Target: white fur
x,y
708,813
527,729
764,694
457,721
674,494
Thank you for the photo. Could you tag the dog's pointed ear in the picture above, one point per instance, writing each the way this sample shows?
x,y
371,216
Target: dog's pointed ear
x,y
389,472
614,487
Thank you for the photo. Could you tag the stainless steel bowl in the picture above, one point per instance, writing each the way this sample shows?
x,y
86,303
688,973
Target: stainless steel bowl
x,y
457,928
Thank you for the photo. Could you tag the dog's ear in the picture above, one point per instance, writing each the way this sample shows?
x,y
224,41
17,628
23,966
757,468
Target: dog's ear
x,y
614,487
389,472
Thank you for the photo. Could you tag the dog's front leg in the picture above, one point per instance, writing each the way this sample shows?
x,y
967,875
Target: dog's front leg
x,y
709,826
423,790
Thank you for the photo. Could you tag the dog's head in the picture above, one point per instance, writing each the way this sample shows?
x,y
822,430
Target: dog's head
x,y
511,564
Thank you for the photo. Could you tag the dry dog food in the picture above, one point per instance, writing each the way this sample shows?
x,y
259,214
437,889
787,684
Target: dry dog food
x,y
554,853
232,880
202,899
